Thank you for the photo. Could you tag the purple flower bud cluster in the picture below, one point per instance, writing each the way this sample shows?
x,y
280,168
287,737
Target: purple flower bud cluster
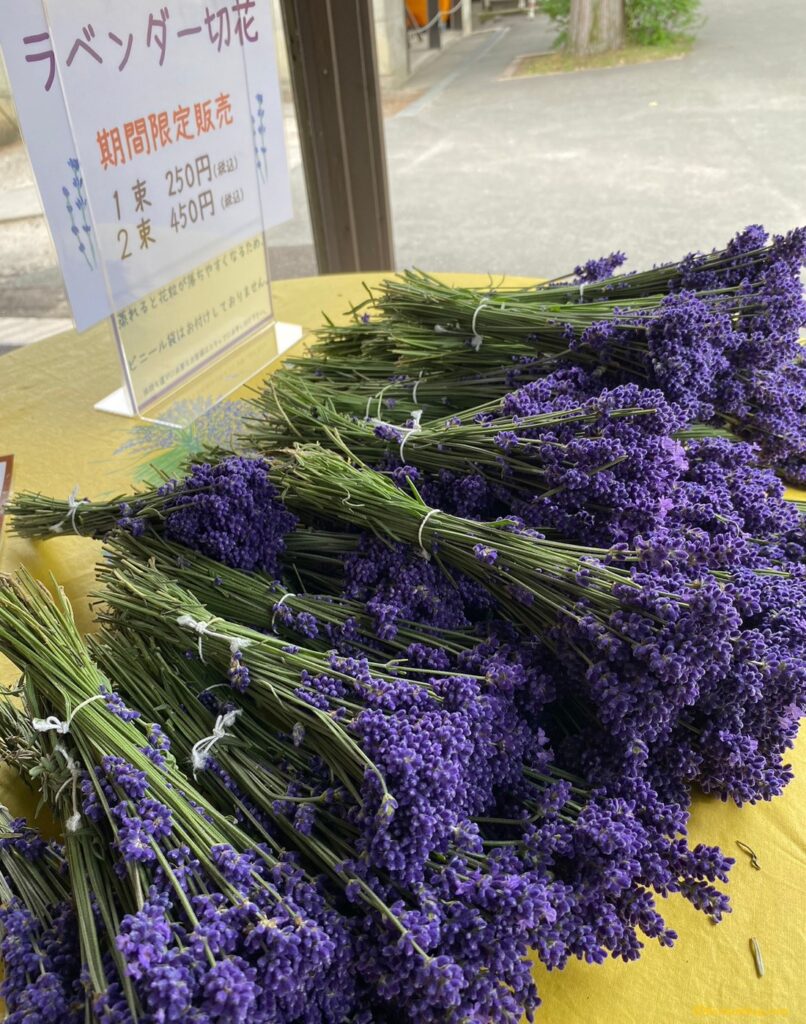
x,y
39,946
725,511
265,948
230,511
609,480
646,662
599,270
439,763
41,966
565,388
742,262
679,348
769,408
157,746
470,495
396,583
115,703
747,367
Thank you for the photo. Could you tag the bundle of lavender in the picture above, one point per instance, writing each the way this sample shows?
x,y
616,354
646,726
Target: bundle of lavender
x,y
39,945
717,334
602,469
180,915
228,509
192,914
657,642
442,672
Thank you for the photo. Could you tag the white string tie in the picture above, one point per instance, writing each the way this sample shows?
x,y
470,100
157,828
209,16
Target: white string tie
x,y
381,393
582,290
200,752
348,498
431,512
439,329
416,385
73,501
198,627
408,431
477,339
51,722
276,607
54,724
236,643
73,823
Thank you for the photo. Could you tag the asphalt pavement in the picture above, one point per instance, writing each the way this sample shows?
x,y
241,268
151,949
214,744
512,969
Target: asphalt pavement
x,y
491,173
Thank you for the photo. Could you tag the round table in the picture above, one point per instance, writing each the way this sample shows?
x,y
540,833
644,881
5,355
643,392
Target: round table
x,y
58,440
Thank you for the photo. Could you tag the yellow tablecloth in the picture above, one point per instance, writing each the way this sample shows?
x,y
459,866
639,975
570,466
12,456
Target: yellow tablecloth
x,y
48,423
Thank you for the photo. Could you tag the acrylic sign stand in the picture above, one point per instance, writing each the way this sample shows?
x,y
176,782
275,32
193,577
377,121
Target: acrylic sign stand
x,y
204,329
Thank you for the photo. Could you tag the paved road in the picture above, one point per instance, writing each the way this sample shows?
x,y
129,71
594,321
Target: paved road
x,y
528,176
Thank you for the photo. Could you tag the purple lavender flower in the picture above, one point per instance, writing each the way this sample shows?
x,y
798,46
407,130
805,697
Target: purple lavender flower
x,y
158,746
609,480
397,584
599,270
230,992
232,513
769,408
116,705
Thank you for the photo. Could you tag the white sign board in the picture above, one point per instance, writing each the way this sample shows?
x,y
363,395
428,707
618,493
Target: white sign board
x,y
155,133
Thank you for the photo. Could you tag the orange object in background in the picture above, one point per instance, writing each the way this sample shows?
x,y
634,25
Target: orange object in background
x,y
417,11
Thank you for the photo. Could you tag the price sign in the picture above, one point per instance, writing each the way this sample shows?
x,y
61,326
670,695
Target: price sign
x,y
156,136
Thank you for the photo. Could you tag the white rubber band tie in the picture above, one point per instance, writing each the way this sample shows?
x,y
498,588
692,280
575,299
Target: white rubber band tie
x,y
200,751
54,724
431,512
198,627
73,501
477,339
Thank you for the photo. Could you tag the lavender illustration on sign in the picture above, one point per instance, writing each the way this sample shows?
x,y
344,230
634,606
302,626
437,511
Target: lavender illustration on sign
x,y
259,139
76,206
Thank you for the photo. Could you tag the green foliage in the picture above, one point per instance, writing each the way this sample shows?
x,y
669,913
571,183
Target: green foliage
x,y
558,11
649,22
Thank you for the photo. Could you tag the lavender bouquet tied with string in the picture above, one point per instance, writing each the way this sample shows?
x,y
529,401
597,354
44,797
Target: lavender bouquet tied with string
x,y
647,636
413,750
718,334
199,920
599,469
582,915
228,510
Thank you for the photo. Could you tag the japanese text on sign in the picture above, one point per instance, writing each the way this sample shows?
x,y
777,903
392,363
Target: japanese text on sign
x,y
221,26
115,94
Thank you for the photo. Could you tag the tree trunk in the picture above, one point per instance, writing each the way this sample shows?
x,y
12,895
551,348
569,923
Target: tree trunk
x,y
595,26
